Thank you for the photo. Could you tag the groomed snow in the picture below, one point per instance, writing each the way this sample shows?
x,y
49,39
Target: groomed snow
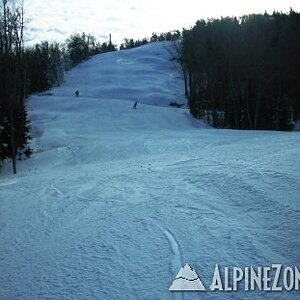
x,y
115,200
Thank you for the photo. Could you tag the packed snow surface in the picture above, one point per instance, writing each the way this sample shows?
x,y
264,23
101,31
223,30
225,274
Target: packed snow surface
x,y
116,200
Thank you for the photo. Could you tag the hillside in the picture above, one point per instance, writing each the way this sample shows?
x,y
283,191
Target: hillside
x,y
115,200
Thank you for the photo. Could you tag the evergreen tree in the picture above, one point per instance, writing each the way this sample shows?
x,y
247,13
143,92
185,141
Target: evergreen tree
x,y
13,124
244,69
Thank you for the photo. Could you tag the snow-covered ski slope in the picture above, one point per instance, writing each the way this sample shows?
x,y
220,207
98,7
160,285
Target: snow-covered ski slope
x,y
116,200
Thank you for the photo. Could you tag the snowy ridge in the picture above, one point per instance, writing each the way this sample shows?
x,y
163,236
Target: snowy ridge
x,y
115,199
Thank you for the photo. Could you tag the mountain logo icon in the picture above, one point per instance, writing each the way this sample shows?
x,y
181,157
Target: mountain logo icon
x,y
187,279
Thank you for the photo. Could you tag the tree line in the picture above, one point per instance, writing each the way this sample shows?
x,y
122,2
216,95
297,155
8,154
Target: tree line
x,y
13,122
155,37
243,73
47,62
26,70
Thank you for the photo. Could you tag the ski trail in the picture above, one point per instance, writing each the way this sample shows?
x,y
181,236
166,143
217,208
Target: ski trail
x,y
177,256
5,183
84,199
177,259
57,190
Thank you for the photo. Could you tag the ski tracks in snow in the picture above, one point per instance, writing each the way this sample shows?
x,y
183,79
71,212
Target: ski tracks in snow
x,y
177,259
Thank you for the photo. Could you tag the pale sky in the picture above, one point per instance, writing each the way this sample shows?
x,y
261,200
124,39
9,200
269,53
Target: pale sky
x,y
56,19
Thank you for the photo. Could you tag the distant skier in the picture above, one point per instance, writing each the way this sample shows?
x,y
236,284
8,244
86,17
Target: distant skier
x,y
77,93
134,105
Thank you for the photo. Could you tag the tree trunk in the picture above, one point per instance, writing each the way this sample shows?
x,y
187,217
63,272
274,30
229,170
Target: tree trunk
x,y
13,142
256,116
